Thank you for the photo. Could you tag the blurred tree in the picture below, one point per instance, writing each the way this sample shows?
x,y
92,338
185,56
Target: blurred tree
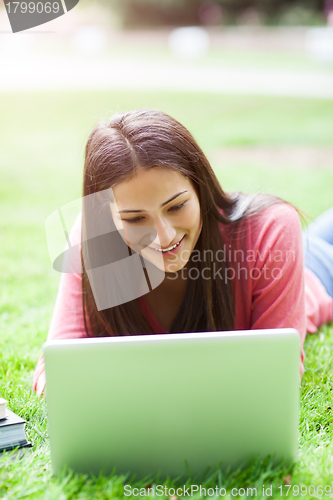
x,y
148,13
144,13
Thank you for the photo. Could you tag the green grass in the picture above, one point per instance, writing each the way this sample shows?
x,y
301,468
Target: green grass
x,y
222,57
42,143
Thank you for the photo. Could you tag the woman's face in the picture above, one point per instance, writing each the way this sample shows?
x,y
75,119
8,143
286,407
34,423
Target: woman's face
x,y
158,204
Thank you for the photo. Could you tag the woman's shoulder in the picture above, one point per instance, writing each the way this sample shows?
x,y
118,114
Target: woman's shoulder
x,y
281,212
267,211
75,231
279,215
70,259
276,225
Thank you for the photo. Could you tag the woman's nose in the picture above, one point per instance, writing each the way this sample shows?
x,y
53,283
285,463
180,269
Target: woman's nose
x,y
165,232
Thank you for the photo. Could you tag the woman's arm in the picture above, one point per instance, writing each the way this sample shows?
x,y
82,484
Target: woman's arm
x,y
272,293
278,297
67,320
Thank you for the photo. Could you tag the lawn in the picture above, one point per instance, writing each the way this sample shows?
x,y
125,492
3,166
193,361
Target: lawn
x,y
42,144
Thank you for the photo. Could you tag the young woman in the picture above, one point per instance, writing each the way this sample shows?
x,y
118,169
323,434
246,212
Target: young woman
x,y
229,261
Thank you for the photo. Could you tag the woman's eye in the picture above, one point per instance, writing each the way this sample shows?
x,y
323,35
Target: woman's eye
x,y
177,207
139,219
136,219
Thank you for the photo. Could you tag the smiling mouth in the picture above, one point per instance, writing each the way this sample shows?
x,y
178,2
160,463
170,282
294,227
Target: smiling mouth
x,y
170,248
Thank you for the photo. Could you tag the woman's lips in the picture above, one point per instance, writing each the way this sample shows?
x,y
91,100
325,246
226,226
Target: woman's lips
x,y
169,252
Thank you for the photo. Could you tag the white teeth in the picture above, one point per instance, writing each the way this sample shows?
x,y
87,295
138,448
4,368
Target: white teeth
x,y
168,249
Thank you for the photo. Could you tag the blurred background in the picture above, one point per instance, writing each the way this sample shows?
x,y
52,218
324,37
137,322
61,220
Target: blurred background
x,y
252,80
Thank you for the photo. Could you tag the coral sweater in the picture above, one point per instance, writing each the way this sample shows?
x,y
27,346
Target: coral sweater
x,y
266,268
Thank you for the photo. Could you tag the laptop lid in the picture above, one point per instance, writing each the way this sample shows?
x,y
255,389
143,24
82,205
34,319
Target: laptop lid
x,y
172,404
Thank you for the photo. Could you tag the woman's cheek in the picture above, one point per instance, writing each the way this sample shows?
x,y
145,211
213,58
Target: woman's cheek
x,y
191,218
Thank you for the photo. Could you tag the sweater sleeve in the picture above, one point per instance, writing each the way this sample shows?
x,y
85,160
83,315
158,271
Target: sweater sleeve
x,y
278,296
67,320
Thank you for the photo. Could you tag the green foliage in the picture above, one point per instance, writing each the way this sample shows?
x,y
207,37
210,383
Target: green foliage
x,y
298,15
144,13
44,172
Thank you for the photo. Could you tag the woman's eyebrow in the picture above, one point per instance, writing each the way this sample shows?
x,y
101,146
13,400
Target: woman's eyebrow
x,y
163,204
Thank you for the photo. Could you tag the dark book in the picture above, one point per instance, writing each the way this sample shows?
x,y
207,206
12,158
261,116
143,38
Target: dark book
x,y
12,433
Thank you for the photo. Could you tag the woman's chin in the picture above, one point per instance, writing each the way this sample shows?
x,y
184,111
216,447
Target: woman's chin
x,y
174,267
170,266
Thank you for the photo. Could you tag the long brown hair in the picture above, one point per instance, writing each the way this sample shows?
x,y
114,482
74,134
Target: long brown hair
x,y
147,139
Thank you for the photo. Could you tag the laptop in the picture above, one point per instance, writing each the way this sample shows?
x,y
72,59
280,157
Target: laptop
x,y
175,404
